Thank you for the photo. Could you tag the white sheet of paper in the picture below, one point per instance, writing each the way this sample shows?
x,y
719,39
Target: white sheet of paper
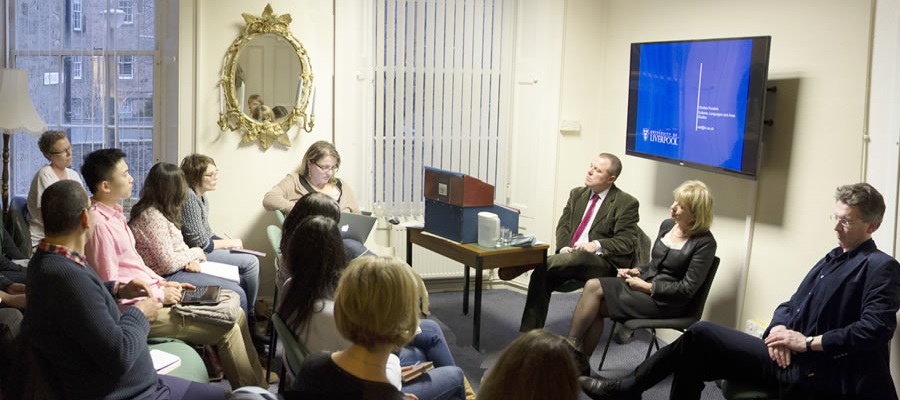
x,y
225,271
163,361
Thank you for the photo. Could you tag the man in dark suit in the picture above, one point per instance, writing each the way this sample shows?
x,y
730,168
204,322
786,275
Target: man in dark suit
x,y
830,340
596,234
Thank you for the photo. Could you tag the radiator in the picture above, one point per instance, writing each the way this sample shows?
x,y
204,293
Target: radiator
x,y
427,263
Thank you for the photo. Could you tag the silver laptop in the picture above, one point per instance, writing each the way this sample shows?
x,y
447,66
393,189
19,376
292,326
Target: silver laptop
x,y
356,226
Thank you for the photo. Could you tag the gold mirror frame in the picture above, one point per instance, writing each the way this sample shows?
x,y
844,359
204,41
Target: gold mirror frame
x,y
232,117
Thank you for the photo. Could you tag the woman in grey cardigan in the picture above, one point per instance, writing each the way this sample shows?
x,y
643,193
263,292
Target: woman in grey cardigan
x,y
202,175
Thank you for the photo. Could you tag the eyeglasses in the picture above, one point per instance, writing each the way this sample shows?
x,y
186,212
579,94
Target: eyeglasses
x,y
333,168
842,220
212,174
67,150
91,207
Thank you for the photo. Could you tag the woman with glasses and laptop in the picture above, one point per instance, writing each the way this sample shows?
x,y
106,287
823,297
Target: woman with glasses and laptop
x,y
202,175
316,175
57,149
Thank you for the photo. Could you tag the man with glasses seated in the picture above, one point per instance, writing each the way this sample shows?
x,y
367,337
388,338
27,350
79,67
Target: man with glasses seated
x,y
57,149
316,175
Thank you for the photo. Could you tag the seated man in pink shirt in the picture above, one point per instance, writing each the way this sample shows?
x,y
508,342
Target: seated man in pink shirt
x,y
110,251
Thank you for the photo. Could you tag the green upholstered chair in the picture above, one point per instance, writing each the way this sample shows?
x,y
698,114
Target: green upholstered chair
x,y
192,367
293,352
274,233
279,215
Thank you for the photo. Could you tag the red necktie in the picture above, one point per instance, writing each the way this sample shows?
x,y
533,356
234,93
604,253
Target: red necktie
x,y
587,217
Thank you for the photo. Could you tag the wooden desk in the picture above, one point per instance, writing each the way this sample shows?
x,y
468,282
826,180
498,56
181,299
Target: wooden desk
x,y
471,255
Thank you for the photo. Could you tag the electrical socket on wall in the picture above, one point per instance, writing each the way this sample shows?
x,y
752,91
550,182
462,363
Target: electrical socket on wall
x,y
754,328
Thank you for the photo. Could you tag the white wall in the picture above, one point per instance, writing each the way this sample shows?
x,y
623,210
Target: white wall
x,y
777,228
883,131
246,172
572,64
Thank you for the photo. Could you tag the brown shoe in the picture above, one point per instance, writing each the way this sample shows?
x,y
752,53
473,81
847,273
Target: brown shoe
x,y
273,378
512,272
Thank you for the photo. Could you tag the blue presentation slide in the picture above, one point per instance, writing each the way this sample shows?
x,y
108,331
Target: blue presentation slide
x,y
692,101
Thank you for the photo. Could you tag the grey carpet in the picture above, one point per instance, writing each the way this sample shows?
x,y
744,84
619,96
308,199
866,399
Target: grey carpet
x,y
500,315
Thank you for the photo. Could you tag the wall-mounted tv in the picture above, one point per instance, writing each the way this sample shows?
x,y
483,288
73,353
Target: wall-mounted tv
x,y
699,103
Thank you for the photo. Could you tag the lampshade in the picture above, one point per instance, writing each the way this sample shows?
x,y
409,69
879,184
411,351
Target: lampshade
x,y
16,109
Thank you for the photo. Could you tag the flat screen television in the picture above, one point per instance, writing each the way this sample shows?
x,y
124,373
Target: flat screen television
x,y
699,103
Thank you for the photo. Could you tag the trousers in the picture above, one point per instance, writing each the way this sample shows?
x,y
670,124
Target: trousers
x,y
547,278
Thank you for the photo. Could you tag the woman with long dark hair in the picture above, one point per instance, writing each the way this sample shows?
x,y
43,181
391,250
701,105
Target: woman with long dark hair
x,y
155,221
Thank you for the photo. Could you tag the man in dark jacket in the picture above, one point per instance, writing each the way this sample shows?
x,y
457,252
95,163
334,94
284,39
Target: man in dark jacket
x,y
830,340
595,236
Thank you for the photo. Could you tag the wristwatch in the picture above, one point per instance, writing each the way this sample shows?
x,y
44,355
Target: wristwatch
x,y
809,340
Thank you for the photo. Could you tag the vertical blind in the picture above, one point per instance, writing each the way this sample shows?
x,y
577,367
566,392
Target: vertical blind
x,y
439,93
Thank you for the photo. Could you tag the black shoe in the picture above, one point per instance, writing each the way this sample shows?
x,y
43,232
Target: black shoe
x,y
623,335
604,389
582,362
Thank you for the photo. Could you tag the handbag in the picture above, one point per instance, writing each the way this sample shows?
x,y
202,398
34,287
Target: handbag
x,y
224,314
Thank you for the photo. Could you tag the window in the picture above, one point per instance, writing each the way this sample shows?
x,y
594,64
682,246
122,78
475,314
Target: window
x,y
126,67
77,17
439,93
74,81
76,67
128,7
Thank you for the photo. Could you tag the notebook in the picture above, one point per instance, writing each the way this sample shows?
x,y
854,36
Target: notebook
x,y
164,362
356,226
224,271
201,295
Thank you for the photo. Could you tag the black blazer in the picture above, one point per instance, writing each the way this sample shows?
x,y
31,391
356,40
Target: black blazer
x,y
615,225
856,318
676,275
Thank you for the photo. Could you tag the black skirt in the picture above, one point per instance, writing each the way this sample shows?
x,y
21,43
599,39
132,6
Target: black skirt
x,y
625,303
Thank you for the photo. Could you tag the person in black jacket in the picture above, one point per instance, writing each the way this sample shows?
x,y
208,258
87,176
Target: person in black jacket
x,y
680,261
830,340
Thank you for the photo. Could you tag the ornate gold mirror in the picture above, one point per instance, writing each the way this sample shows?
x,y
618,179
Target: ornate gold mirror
x,y
267,82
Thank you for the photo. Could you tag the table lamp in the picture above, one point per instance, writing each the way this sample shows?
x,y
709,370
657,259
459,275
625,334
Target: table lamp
x,y
16,112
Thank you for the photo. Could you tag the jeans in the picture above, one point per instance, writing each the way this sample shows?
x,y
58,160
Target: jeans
x,y
429,345
201,279
445,381
248,268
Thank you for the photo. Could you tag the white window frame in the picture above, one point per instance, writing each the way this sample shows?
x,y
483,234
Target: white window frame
x,y
125,68
128,7
77,15
77,67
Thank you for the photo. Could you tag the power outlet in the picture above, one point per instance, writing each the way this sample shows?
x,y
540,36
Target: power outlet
x,y
754,328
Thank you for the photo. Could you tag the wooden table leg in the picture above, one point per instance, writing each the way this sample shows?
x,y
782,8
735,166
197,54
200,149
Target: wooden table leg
x,y
409,248
466,291
476,330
